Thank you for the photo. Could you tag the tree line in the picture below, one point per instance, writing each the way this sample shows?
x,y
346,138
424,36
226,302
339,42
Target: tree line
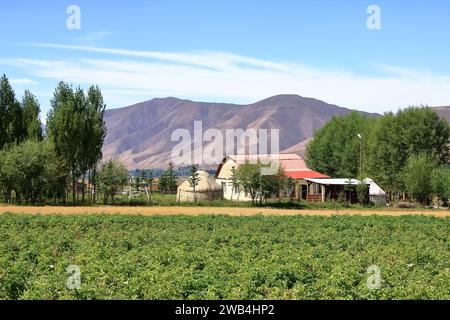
x,y
36,165
407,153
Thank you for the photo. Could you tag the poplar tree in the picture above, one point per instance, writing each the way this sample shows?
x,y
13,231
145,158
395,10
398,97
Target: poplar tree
x,y
31,122
63,128
11,128
94,131
194,180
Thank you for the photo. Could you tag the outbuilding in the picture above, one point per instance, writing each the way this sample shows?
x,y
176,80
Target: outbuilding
x,y
377,196
207,189
321,190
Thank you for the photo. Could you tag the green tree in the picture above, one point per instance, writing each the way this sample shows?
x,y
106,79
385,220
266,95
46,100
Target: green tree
x,y
163,182
397,137
249,178
234,183
137,182
32,171
8,172
417,177
112,177
335,149
11,128
76,127
31,122
79,126
142,179
290,188
171,179
260,187
441,184
94,131
194,179
149,179
57,175
276,184
64,126
362,191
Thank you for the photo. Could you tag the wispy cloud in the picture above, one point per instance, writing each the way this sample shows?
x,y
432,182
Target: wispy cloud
x,y
208,59
126,75
92,38
22,81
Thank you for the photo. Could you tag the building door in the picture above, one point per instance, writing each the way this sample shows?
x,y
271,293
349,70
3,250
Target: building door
x,y
304,192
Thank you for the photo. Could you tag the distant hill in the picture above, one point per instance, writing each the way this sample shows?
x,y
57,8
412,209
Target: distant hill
x,y
139,135
443,112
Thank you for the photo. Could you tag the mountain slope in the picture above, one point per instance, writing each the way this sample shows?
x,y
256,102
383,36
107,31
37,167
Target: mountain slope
x,y
443,112
139,135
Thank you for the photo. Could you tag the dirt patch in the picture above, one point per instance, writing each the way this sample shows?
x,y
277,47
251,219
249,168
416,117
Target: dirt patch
x,y
148,211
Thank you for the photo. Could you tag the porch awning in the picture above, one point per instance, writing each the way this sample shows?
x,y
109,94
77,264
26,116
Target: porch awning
x,y
335,182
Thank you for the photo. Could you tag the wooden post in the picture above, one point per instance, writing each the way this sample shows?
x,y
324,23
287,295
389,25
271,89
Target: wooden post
x,y
322,187
308,184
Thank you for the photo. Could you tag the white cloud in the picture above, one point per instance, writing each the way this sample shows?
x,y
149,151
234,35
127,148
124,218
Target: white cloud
x,y
93,37
22,82
126,76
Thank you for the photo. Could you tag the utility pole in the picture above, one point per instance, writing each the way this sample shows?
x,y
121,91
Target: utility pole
x,y
361,145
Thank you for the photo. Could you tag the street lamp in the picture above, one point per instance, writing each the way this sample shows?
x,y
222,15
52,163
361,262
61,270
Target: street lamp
x,y
361,138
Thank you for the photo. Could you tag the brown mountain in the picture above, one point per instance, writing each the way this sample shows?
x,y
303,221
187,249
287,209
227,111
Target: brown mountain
x,y
139,135
443,112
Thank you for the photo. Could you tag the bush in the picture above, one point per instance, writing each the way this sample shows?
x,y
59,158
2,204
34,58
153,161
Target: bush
x,y
405,205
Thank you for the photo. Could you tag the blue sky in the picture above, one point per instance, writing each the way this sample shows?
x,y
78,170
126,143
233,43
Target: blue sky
x,y
232,51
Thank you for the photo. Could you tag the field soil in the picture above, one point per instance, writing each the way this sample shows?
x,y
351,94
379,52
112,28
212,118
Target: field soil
x,y
195,211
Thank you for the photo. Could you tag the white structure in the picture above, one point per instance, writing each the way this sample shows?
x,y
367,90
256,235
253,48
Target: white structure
x,y
377,195
207,189
224,176
323,189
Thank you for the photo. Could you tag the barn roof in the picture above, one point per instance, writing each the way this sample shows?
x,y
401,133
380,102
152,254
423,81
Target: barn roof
x,y
288,161
293,165
305,174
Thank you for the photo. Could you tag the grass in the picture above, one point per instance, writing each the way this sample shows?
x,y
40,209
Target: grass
x,y
169,200
222,257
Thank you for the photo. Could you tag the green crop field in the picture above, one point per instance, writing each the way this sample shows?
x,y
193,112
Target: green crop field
x,y
222,257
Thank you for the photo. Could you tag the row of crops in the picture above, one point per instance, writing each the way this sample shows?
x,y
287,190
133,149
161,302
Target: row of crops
x,y
221,257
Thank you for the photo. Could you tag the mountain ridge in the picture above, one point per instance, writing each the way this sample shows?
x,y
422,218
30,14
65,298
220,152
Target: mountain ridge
x,y
140,134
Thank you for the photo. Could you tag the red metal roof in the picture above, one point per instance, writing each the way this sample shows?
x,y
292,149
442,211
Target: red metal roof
x,y
306,174
293,165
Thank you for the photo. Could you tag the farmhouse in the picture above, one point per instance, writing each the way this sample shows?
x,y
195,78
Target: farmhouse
x,y
293,165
